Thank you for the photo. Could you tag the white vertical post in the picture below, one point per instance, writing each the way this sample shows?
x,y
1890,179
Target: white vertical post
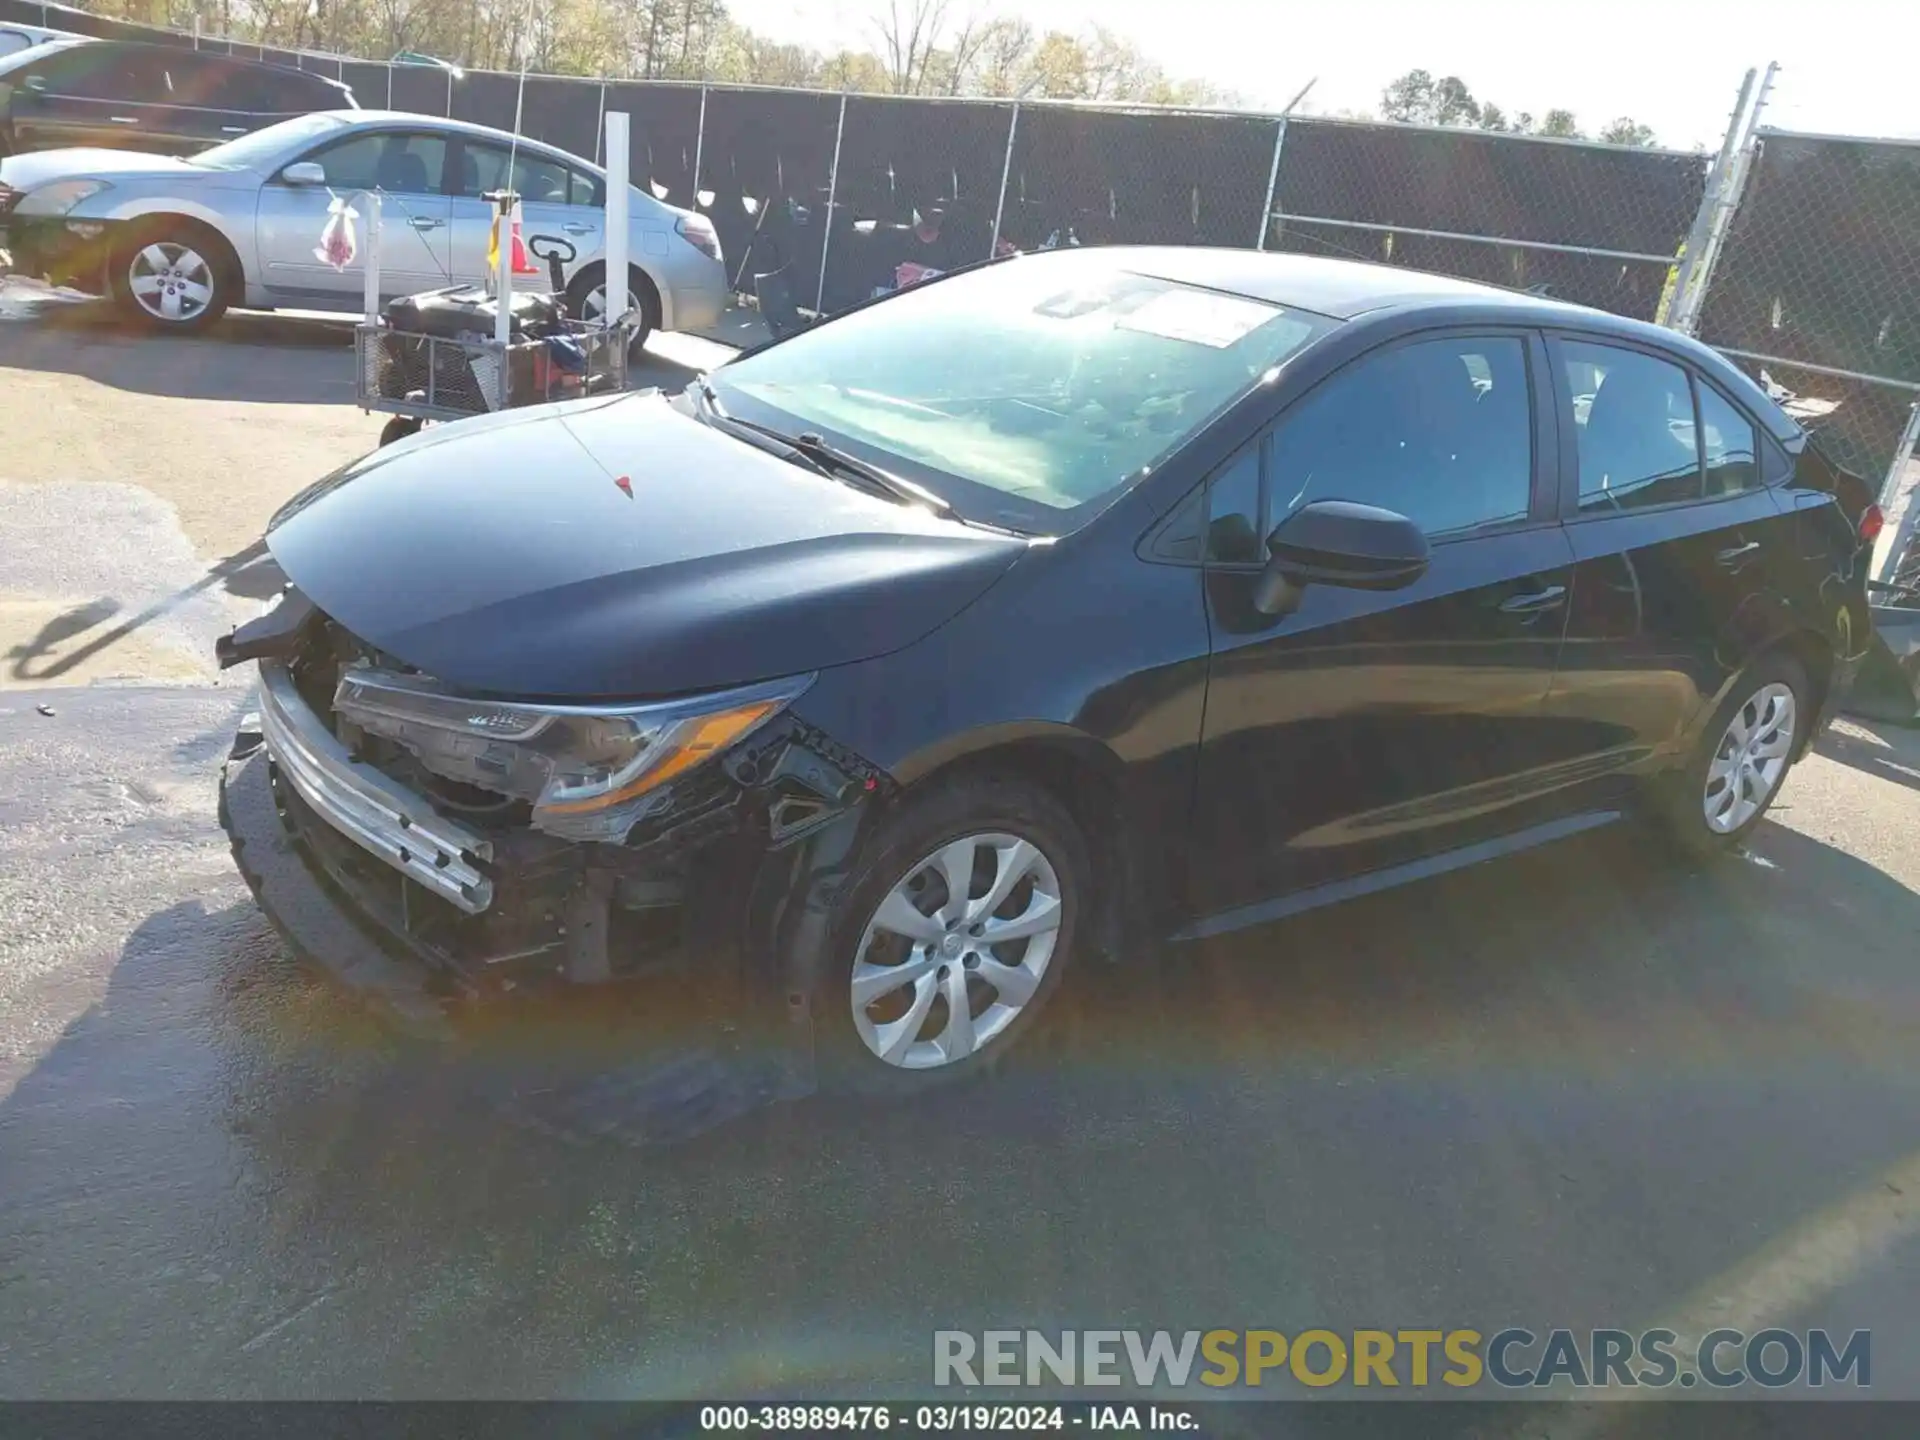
x,y
1273,179
699,146
503,274
615,309
1899,501
372,252
833,187
1006,169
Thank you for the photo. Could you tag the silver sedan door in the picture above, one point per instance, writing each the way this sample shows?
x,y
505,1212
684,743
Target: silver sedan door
x,y
407,169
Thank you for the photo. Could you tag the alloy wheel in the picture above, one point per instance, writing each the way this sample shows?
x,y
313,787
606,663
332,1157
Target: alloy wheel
x,y
593,306
1750,759
956,951
170,281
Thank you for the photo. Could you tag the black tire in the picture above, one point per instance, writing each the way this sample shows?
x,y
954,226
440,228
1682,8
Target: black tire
x,y
398,428
921,825
1680,799
639,286
222,276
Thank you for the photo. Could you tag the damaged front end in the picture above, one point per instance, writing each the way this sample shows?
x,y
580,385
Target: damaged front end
x,y
496,845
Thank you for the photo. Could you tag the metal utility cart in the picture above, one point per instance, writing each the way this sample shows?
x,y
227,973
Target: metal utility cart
x,y
418,377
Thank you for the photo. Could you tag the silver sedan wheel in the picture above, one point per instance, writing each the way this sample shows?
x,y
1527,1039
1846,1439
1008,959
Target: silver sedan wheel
x,y
594,305
1750,759
170,281
956,951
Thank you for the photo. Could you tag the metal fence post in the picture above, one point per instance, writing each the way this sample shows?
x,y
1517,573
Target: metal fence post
x,y
826,230
699,146
1006,169
1684,314
389,84
1905,513
600,128
1674,311
1273,179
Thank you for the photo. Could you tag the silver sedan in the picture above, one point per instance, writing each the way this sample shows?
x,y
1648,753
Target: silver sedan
x,y
177,241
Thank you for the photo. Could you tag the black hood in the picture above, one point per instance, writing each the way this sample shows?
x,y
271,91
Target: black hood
x,y
619,548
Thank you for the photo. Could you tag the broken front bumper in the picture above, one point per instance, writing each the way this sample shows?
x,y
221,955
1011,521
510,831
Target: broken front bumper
x,y
387,820
421,911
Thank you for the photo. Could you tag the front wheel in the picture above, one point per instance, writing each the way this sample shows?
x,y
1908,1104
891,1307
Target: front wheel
x,y
1742,758
170,278
959,925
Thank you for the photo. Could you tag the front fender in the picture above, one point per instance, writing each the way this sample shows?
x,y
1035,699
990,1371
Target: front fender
x,y
237,231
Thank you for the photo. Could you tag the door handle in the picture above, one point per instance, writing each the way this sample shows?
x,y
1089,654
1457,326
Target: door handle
x,y
233,129
1551,598
124,119
1731,558
574,227
426,222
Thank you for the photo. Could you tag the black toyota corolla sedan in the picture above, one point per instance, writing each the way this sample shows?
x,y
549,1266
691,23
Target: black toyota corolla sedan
x,y
1069,602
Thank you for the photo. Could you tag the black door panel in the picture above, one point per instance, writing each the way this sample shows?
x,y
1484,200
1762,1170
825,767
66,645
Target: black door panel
x,y
1365,728
1680,553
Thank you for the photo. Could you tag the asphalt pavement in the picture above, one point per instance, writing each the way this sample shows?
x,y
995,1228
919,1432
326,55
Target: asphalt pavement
x,y
1581,1088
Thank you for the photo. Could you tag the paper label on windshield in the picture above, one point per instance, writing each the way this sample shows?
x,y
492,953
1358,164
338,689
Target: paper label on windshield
x,y
1199,318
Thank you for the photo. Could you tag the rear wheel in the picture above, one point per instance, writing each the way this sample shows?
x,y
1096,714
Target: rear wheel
x,y
398,428
1737,769
587,301
170,278
957,930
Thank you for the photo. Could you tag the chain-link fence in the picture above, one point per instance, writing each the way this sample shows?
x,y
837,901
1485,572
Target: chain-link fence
x,y
1595,224
1799,255
1818,286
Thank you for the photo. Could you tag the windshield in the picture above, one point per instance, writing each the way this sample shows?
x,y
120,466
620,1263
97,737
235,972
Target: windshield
x,y
1050,381
264,146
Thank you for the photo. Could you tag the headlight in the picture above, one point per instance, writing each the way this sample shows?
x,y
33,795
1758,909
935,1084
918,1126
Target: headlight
x,y
590,772
59,197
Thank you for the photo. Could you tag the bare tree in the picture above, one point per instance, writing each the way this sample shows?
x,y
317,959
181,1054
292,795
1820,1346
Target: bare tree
x,y
908,40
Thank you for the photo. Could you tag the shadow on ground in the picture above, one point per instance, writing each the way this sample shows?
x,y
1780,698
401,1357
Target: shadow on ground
x,y
1562,1089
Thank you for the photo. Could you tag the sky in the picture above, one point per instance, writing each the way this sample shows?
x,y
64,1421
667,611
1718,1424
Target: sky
x,y
1848,66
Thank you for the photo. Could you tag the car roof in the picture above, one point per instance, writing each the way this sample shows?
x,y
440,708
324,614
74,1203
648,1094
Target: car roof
x,y
1342,289
414,120
1400,298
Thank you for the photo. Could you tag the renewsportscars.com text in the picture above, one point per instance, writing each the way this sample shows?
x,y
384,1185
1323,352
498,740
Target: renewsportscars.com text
x,y
1513,1358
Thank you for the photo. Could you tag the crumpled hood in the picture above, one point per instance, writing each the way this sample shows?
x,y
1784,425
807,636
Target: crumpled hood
x,y
505,555
37,167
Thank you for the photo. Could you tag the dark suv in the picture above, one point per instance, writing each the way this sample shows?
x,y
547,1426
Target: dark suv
x,y
131,96
1075,600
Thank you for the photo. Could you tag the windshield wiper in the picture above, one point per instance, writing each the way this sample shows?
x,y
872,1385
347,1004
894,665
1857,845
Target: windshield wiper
x,y
832,460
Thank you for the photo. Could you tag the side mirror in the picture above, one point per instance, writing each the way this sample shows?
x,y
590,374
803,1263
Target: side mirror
x,y
36,83
1336,542
305,172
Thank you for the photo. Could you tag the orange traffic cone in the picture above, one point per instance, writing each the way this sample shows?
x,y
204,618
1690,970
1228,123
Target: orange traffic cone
x,y
518,258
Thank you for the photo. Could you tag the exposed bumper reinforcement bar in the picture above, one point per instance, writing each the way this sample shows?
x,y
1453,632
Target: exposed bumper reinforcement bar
x,y
386,820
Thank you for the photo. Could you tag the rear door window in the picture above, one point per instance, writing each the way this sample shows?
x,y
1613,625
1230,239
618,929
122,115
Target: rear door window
x,y
1728,444
537,179
1633,423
